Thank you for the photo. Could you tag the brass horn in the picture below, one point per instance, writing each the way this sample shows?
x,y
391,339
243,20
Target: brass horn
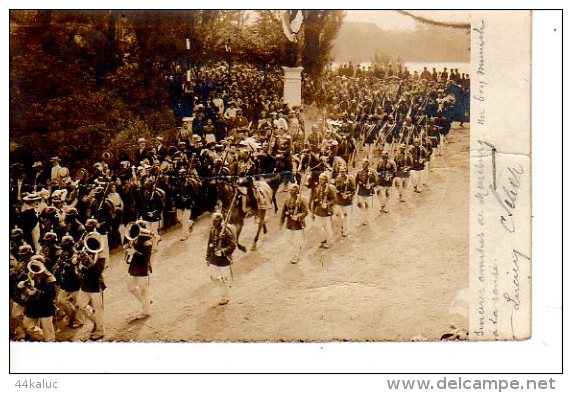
x,y
132,231
36,267
135,229
93,243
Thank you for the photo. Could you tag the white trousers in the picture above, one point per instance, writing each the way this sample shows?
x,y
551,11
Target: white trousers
x,y
222,278
68,301
417,180
400,184
326,230
384,195
364,203
46,324
139,288
295,239
91,306
344,213
184,217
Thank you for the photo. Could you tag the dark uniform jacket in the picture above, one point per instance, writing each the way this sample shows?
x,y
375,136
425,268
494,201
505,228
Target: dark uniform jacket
x,y
18,272
323,200
91,277
294,213
404,162
66,272
345,189
419,155
42,303
227,246
366,180
386,170
140,264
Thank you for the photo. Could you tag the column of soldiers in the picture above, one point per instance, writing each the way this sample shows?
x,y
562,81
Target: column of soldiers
x,y
62,228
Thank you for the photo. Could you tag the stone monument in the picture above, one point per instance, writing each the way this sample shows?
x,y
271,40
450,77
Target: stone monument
x,y
293,86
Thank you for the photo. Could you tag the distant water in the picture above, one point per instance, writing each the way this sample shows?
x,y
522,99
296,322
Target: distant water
x,y
418,66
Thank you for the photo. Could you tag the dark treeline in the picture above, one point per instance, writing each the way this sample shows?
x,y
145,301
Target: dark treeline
x,y
82,82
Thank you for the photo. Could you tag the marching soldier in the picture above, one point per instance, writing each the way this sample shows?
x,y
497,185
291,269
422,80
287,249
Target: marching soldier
x,y
294,213
138,256
221,245
321,205
345,190
428,145
419,157
386,170
404,162
366,181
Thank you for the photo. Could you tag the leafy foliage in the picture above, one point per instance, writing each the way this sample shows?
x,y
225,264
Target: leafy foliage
x,y
82,82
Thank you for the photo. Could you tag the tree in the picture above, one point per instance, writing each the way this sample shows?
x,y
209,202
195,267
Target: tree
x,y
320,29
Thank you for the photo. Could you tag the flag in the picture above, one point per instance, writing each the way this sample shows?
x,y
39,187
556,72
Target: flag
x,y
291,23
296,19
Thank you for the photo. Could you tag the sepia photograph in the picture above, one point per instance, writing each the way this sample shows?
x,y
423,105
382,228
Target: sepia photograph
x,y
240,175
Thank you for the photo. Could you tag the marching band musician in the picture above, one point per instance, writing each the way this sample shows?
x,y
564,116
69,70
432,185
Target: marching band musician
x,y
221,245
66,271
294,213
19,274
151,208
91,266
39,297
386,170
102,211
182,195
366,180
345,189
321,205
138,256
50,250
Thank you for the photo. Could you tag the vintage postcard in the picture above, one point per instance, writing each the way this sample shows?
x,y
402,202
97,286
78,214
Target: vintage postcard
x,y
269,176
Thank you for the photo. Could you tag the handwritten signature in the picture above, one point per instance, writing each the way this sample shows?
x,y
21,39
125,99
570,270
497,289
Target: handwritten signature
x,y
505,195
514,297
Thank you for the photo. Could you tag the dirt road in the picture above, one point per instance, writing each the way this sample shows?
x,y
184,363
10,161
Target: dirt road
x,y
391,280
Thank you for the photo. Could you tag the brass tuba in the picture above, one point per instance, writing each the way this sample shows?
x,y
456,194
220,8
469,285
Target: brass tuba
x,y
28,286
132,232
35,266
93,243
135,229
